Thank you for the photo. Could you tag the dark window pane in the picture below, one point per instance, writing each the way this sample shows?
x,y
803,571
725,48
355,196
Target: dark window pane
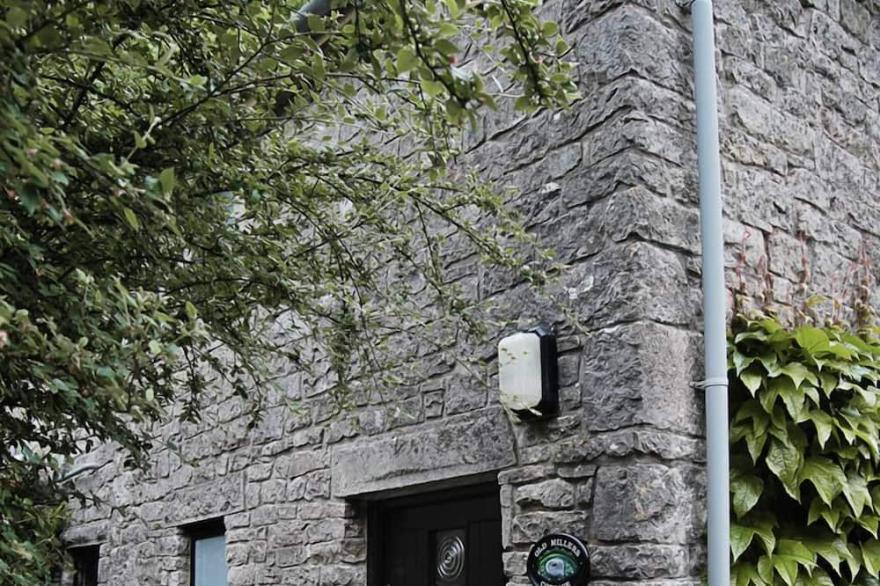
x,y
85,564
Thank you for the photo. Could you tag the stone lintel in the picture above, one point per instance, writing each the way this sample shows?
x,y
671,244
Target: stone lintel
x,y
463,446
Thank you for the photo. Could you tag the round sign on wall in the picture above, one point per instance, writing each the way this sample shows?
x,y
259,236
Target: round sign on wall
x,y
558,560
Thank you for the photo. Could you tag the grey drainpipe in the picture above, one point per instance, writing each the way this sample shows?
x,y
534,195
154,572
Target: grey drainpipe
x,y
714,294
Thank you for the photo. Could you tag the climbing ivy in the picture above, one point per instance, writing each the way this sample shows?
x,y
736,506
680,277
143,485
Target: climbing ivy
x,y
805,469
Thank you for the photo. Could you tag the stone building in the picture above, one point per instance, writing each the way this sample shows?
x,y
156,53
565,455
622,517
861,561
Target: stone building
x,y
360,499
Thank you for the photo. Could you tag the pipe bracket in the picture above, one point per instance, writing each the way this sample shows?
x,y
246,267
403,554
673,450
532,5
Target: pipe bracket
x,y
710,383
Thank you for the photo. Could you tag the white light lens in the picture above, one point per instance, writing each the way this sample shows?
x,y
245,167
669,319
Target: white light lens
x,y
519,364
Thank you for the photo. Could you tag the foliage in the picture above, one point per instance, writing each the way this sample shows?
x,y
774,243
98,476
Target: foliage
x,y
196,191
805,473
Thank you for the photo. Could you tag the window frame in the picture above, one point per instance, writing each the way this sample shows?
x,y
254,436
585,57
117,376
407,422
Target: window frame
x,y
85,554
202,530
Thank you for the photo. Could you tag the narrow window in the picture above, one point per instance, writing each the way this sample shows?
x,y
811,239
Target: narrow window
x,y
85,565
208,553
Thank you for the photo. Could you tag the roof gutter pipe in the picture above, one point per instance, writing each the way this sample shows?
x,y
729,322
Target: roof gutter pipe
x,y
714,294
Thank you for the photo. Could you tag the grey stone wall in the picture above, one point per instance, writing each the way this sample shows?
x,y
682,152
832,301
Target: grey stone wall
x,y
611,184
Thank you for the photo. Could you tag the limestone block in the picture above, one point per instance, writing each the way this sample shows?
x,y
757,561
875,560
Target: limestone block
x,y
627,282
530,527
628,40
643,561
550,494
647,502
641,374
459,446
515,563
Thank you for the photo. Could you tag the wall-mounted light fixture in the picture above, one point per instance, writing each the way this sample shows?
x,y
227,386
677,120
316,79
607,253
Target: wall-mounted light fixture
x,y
528,373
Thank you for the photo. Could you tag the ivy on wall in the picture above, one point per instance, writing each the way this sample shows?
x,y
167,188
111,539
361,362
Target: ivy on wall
x,y
805,467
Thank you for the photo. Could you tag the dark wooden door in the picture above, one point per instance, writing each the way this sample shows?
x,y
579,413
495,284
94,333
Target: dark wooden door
x,y
444,539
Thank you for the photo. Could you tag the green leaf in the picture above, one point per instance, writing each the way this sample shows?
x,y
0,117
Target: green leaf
x,y
819,578
784,460
432,88
790,554
407,60
750,335
855,489
741,361
524,104
454,7
291,53
316,23
764,526
812,394
871,556
786,568
448,29
30,198
823,423
829,382
819,510
98,46
167,180
832,549
191,311
797,372
854,560
812,339
752,379
826,476
745,573
767,398
447,47
746,492
770,362
197,80
792,396
740,539
755,443
131,218
549,28
841,351
796,550
16,17
870,523
765,569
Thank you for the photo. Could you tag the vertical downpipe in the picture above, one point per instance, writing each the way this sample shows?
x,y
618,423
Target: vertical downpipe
x,y
714,294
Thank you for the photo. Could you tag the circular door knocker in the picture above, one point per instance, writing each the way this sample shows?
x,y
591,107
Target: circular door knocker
x,y
558,560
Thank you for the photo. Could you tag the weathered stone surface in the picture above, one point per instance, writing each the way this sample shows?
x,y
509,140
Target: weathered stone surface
x,y
469,444
524,474
641,373
216,498
631,40
647,502
644,561
529,527
550,494
623,284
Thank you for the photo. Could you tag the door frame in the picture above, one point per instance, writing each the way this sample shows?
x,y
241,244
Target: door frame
x,y
376,510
